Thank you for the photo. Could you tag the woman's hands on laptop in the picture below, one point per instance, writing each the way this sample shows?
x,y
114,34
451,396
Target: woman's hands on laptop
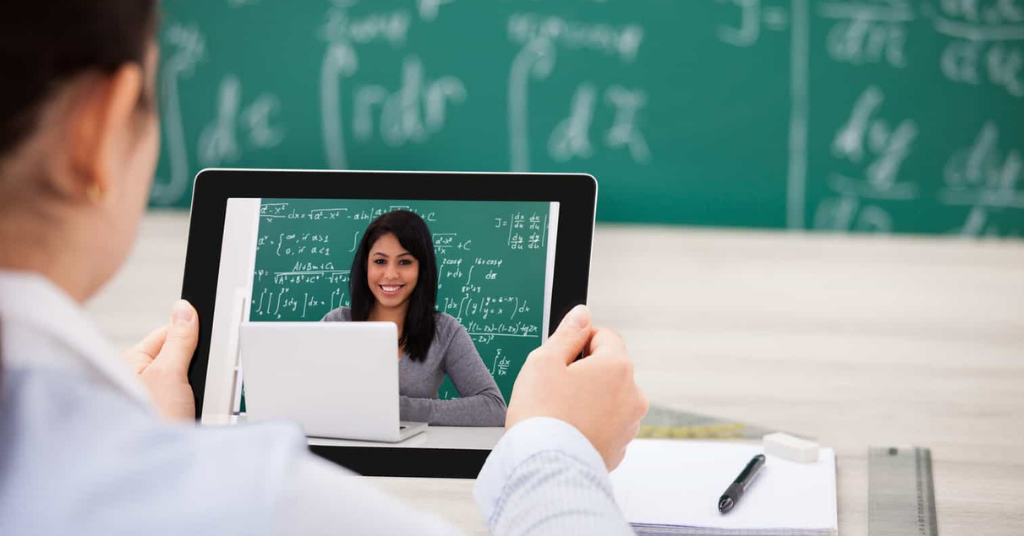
x,y
597,394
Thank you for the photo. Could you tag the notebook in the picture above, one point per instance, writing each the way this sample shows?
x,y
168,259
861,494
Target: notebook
x,y
672,487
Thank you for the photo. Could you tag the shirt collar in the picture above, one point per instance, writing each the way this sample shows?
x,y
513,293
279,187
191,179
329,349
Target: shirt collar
x,y
31,299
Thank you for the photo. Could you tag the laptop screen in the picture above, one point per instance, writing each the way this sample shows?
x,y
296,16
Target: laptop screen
x,y
298,260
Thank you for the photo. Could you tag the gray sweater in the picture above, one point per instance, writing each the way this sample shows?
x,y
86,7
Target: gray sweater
x,y
454,354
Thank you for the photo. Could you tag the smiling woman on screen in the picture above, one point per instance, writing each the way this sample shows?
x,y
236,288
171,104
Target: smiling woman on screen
x,y
394,279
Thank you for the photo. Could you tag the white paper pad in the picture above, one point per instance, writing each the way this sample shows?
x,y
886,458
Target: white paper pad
x,y
676,484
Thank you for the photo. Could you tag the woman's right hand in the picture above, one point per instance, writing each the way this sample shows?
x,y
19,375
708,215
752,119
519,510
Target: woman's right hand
x,y
597,394
161,362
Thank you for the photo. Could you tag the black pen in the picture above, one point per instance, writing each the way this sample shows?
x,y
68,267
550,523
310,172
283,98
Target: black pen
x,y
735,490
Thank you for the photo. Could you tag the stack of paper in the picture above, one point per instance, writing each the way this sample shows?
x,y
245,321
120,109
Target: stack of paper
x,y
673,487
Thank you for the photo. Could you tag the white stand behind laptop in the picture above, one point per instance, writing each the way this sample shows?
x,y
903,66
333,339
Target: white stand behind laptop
x,y
339,380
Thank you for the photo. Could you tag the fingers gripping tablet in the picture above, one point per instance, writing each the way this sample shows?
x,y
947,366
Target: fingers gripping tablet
x,y
473,270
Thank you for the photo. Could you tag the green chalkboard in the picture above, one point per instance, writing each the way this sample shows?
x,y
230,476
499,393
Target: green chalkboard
x,y
492,265
868,116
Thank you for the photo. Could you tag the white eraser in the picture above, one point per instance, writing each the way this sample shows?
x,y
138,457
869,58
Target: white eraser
x,y
790,448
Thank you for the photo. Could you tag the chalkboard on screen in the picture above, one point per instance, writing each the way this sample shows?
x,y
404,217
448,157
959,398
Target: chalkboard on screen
x,y
492,259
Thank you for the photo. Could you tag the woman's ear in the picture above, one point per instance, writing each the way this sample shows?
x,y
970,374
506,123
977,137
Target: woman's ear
x,y
102,129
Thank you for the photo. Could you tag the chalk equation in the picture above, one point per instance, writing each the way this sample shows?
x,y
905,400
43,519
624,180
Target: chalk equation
x,y
751,16
986,43
492,265
700,101
980,46
540,37
185,47
410,113
219,140
988,178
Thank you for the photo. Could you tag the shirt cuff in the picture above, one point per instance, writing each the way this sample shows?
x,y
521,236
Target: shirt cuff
x,y
525,440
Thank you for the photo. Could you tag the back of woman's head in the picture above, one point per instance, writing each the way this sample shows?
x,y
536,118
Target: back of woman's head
x,y
414,236
46,44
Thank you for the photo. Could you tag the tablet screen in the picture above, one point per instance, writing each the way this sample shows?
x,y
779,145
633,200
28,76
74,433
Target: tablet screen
x,y
292,260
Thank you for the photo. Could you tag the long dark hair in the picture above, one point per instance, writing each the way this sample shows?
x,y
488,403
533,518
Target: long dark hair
x,y
414,235
45,44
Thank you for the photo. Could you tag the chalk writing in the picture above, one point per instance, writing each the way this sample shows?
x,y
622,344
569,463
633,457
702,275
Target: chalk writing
x,y
429,9
500,365
752,15
341,61
985,165
619,41
848,213
218,142
868,32
625,132
877,150
571,137
387,27
870,139
884,108
491,266
535,60
413,112
986,43
985,177
523,234
873,146
187,48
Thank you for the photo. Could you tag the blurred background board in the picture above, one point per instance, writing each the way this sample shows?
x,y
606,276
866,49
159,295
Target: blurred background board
x,y
870,116
491,264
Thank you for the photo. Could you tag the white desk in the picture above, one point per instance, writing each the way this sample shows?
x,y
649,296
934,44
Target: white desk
x,y
856,341
434,437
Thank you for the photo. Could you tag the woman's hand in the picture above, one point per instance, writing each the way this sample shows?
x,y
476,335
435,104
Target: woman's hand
x,y
161,362
596,394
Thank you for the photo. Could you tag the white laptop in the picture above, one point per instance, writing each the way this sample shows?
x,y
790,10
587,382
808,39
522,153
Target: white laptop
x,y
339,380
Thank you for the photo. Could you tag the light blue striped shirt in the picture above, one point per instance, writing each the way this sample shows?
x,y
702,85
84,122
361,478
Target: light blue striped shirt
x,y
82,451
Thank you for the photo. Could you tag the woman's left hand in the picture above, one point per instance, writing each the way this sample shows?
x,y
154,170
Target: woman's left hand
x,y
161,361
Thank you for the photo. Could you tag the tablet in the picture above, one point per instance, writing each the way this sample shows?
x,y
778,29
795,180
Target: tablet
x,y
512,257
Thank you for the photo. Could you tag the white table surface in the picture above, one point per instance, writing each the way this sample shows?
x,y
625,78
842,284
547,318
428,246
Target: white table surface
x,y
432,437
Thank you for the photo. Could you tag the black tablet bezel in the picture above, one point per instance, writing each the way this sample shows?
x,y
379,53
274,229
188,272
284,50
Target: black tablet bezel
x,y
575,193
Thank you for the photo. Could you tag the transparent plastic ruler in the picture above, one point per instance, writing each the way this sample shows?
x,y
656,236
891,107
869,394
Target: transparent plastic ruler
x,y
901,495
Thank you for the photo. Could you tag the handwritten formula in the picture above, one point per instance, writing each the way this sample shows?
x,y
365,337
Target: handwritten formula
x,y
868,116
491,265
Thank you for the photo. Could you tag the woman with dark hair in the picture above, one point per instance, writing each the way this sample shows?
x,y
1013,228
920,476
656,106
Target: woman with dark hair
x,y
394,279
83,448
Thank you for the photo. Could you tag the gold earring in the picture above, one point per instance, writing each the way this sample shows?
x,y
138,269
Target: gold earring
x,y
95,193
